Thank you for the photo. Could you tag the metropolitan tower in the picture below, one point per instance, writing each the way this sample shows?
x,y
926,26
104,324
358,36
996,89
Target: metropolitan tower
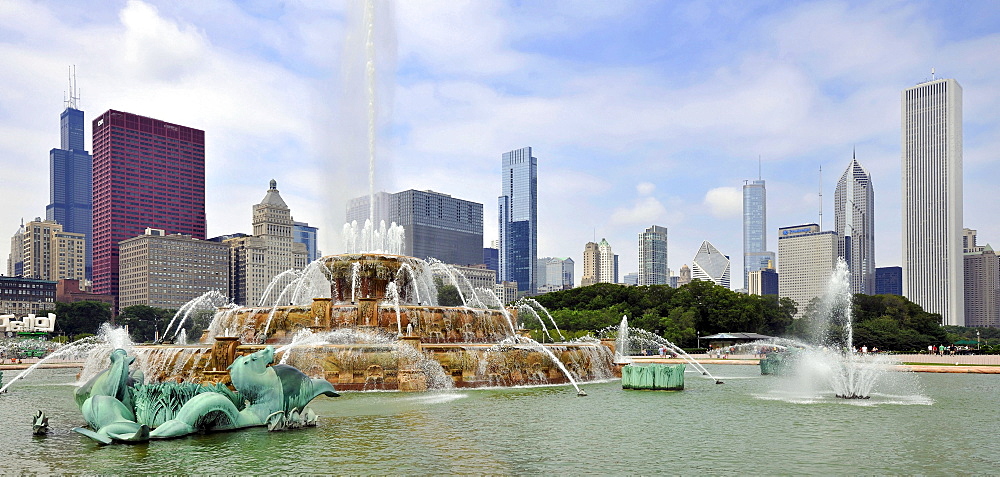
x,y
933,274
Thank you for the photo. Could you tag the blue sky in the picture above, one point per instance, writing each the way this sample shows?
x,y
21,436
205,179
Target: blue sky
x,y
640,113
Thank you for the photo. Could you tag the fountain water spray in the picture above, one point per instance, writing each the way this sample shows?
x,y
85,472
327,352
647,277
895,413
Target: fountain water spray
x,y
626,337
831,357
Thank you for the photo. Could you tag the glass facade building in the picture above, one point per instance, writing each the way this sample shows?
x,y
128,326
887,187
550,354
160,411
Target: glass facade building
x,y
889,281
854,222
755,254
304,234
491,258
518,220
439,226
147,174
653,268
71,181
710,264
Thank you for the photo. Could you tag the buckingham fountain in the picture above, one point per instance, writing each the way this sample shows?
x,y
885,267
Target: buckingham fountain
x,y
374,325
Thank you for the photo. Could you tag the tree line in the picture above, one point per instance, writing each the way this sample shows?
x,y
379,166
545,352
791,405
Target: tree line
x,y
84,318
889,322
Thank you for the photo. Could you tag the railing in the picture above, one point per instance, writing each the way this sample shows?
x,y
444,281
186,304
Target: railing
x,y
967,359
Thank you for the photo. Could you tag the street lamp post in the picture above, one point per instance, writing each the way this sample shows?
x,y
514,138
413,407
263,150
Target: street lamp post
x,y
698,334
977,340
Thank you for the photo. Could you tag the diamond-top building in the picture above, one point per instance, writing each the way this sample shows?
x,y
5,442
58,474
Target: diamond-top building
x,y
711,265
854,222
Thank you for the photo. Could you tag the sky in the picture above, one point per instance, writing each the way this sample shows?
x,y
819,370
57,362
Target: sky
x,y
639,112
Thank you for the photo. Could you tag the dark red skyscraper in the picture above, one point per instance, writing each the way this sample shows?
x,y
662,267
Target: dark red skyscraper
x,y
147,173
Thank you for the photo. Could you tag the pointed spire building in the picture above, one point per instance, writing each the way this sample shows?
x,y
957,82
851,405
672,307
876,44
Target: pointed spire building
x,y
854,221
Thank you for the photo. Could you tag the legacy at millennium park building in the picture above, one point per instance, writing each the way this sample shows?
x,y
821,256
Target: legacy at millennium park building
x,y
518,220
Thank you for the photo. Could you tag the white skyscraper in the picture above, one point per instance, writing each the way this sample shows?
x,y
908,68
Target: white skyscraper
x,y
933,274
653,268
607,269
854,220
711,265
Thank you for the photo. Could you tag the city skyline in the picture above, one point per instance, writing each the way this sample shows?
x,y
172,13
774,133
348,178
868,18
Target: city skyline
x,y
659,123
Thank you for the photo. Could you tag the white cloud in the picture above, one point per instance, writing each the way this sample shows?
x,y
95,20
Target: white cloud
x,y
724,202
158,49
646,210
622,143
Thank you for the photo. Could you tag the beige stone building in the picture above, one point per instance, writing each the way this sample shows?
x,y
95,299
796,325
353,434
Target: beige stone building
x,y
49,253
685,275
478,276
255,260
167,271
806,258
506,291
600,264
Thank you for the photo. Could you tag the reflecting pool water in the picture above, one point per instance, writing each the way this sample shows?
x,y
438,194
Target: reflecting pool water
x,y
745,425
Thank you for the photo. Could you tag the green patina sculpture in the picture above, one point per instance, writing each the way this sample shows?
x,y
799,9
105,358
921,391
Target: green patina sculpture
x,y
40,424
118,407
653,377
778,363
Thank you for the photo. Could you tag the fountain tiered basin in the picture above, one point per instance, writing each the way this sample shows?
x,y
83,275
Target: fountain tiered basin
x,y
378,327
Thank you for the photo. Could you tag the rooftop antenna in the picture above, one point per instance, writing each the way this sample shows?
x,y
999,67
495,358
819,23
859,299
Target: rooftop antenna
x,y
821,197
759,177
932,74
74,93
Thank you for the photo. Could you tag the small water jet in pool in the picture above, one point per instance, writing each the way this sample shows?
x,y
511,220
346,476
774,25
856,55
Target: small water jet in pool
x,y
829,360
627,339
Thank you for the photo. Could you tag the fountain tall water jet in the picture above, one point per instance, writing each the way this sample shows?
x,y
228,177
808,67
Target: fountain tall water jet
x,y
831,356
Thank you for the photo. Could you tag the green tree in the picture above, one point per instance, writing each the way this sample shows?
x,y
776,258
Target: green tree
x,y
81,317
144,322
447,295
